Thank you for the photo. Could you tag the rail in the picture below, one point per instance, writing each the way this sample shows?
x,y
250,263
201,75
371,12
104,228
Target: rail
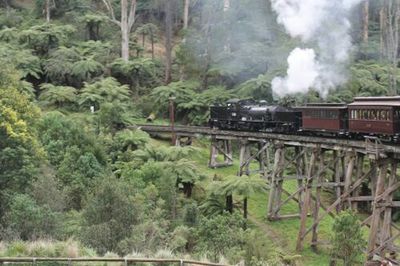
x,y
289,139
126,261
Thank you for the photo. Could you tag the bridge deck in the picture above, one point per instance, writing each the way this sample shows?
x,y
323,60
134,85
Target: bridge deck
x,y
287,139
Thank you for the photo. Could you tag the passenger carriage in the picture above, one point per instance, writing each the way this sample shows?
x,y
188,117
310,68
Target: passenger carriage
x,y
325,118
376,116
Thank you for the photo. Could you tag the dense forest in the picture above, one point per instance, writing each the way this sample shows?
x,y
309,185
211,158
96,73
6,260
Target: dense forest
x,y
77,180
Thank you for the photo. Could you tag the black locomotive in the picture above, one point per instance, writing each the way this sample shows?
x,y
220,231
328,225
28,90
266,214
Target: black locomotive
x,y
254,116
365,116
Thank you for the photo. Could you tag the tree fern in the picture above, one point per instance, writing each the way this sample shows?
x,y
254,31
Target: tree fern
x,y
57,95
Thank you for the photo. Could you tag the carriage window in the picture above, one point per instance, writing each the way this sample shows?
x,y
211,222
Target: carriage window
x,y
364,114
397,114
372,115
383,115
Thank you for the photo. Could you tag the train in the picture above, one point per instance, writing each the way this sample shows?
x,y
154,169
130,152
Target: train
x,y
365,116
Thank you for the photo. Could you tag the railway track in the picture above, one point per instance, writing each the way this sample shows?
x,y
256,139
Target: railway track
x,y
382,149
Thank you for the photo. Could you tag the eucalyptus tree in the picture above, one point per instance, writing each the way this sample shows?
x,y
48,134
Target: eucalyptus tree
x,y
125,23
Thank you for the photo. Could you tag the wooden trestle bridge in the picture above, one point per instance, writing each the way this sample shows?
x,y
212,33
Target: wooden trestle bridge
x,y
343,166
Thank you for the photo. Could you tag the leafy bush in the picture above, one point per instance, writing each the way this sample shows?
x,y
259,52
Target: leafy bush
x,y
20,152
110,214
221,235
348,249
29,220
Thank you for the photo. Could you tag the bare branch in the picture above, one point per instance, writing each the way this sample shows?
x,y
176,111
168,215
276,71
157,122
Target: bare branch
x,y
110,9
132,14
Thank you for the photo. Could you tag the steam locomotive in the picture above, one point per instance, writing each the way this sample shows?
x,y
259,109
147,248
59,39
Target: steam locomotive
x,y
373,116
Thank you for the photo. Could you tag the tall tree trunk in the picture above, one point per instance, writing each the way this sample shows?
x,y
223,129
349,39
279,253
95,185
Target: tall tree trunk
x,y
382,29
185,26
227,44
395,60
168,41
365,16
227,5
152,43
124,31
128,18
391,21
47,10
186,14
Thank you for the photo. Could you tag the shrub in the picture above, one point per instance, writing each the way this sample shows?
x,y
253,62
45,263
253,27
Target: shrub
x,y
29,220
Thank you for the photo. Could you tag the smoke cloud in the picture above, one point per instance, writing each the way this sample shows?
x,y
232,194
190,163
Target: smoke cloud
x,y
324,23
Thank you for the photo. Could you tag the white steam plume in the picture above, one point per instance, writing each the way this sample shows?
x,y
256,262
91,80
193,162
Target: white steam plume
x,y
326,23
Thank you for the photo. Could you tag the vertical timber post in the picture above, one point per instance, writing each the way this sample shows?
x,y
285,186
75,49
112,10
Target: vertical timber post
x,y
213,152
387,218
242,155
261,158
275,175
359,173
377,209
307,199
338,177
349,174
228,156
317,204
279,183
300,171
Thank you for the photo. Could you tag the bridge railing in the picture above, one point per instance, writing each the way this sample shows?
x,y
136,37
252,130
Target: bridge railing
x,y
125,261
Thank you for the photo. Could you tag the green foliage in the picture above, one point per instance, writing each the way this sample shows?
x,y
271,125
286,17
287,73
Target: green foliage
x,y
221,235
348,249
28,220
74,65
93,22
57,95
130,140
106,90
23,60
59,133
111,213
191,105
243,185
46,190
197,109
20,152
258,88
42,38
77,173
182,91
139,73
